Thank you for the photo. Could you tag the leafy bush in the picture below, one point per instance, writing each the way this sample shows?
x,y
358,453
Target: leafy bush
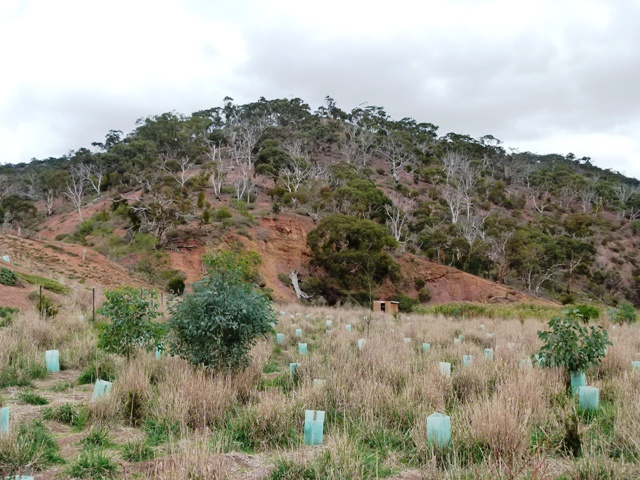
x,y
625,313
424,295
7,314
405,303
587,312
176,286
7,277
222,213
569,345
132,327
218,323
45,305
352,252
244,264
635,227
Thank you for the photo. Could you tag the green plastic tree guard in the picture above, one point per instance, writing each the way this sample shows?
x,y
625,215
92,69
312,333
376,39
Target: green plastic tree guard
x,y
635,364
101,388
313,427
302,348
279,338
361,343
292,369
282,314
319,383
456,341
406,340
298,332
52,358
348,327
328,323
588,398
467,360
445,369
5,420
439,430
426,347
488,354
578,379
307,316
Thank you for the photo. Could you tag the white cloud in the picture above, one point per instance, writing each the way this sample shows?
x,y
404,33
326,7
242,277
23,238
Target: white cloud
x,y
557,76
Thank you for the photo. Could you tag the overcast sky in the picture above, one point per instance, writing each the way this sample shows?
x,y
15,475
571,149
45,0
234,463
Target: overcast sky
x,y
548,76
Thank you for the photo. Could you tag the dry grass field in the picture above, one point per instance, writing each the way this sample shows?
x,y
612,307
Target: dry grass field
x,y
166,420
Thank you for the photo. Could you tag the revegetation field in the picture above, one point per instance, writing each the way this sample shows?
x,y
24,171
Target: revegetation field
x,y
377,378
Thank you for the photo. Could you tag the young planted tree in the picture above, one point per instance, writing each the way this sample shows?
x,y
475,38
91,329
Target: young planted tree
x,y
132,327
572,346
219,321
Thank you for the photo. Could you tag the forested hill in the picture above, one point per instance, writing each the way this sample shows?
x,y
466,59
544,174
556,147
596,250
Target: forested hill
x,y
374,187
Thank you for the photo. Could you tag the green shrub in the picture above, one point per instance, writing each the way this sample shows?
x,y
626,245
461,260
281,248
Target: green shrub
x,y
132,327
217,324
635,227
176,286
45,305
234,262
405,303
222,213
7,314
7,277
587,312
571,346
424,295
93,464
625,313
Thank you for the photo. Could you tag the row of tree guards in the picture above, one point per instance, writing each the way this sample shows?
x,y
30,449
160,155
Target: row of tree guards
x,y
438,424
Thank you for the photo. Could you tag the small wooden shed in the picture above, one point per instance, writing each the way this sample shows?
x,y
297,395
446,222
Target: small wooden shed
x,y
385,306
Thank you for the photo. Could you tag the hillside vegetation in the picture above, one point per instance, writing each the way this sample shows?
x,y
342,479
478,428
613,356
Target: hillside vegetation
x,y
371,192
